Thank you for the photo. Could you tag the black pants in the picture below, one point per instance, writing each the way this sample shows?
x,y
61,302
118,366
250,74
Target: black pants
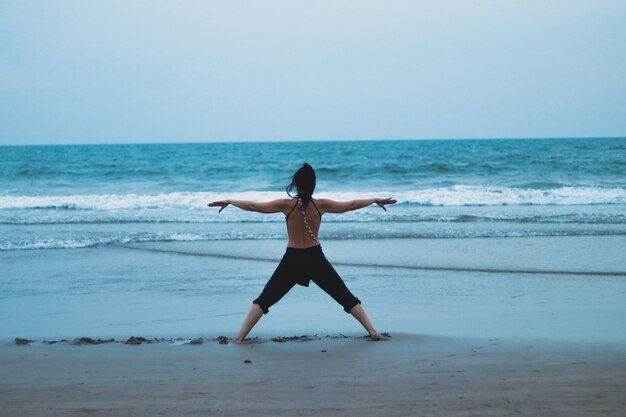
x,y
299,266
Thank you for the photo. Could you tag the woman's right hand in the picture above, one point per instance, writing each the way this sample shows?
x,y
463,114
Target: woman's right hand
x,y
222,204
382,202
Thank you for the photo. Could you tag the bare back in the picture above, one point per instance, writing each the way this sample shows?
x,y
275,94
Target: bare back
x,y
299,236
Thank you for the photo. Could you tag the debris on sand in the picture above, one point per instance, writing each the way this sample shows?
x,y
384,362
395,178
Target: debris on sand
x,y
222,340
135,340
90,341
52,342
303,338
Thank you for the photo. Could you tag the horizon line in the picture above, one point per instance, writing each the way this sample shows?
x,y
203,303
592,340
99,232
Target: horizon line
x,y
218,141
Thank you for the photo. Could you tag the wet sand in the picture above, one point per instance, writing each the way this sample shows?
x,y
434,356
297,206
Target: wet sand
x,y
407,375
450,287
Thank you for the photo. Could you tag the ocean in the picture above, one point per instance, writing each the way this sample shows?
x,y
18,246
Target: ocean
x,y
493,238
55,197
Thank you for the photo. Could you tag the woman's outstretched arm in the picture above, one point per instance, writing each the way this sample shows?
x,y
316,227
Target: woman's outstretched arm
x,y
275,206
332,206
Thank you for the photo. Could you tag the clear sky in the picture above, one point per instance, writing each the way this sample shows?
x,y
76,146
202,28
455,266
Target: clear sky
x,y
168,71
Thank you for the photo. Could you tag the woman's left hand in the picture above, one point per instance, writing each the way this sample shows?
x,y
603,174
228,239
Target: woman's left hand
x,y
384,201
222,204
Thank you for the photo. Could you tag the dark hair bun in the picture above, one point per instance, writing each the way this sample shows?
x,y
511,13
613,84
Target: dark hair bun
x,y
303,183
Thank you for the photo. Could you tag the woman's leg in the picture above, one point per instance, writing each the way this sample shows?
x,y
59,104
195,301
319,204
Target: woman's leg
x,y
278,285
359,313
253,317
329,281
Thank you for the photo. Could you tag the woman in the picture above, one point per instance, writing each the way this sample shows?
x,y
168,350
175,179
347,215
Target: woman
x,y
304,260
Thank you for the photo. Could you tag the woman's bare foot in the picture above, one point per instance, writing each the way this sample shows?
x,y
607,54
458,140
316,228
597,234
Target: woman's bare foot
x,y
375,336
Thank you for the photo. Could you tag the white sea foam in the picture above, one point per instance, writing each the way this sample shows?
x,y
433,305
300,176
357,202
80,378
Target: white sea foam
x,y
459,195
123,238
115,201
463,195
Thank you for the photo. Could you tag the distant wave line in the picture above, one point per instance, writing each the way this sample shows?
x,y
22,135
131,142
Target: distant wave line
x,y
378,266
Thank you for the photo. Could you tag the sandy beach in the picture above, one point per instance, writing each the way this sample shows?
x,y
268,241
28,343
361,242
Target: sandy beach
x,y
407,375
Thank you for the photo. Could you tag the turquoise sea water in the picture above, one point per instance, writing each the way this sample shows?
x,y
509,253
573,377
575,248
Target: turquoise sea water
x,y
83,196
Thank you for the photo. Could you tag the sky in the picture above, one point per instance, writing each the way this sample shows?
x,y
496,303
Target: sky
x,y
192,71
